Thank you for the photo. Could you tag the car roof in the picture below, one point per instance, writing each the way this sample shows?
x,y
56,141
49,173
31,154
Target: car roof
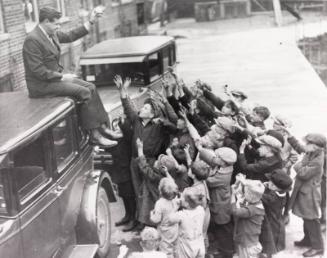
x,y
129,46
21,117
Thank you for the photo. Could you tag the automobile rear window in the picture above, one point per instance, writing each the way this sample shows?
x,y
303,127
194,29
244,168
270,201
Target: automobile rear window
x,y
103,74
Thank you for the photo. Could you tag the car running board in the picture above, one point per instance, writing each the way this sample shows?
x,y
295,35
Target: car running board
x,y
78,251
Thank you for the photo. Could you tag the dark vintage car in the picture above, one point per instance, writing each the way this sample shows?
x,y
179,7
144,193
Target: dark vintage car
x,y
53,203
145,59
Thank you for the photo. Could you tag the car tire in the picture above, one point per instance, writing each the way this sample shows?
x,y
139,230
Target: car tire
x,y
103,223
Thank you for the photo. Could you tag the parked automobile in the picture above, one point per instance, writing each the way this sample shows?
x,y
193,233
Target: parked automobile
x,y
53,203
145,59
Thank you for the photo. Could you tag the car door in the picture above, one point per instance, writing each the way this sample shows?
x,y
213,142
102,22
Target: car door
x,y
37,198
72,161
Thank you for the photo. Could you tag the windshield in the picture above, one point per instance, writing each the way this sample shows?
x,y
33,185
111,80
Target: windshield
x,y
103,74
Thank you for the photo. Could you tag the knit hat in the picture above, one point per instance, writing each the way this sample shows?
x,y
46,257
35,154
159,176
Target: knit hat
x,y
254,190
277,135
317,139
269,141
149,233
280,179
226,154
226,123
166,161
237,93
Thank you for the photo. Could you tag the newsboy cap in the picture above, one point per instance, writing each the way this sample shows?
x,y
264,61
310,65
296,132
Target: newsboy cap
x,y
283,121
238,93
226,154
269,141
254,190
226,123
317,139
280,179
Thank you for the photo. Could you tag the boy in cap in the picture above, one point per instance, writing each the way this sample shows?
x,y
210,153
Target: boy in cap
x,y
269,158
221,162
274,199
154,135
288,155
248,213
306,196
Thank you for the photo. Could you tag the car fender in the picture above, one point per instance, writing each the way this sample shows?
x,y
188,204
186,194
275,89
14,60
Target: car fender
x,y
86,229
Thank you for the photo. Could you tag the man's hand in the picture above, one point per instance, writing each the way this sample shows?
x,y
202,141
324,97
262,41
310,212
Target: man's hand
x,y
96,13
139,145
118,81
68,77
245,143
127,83
183,113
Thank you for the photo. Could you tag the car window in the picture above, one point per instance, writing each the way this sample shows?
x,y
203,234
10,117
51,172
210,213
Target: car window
x,y
154,66
29,168
103,74
64,150
172,54
165,58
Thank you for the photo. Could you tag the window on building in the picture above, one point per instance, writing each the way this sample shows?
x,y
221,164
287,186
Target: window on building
x,y
2,28
31,13
6,83
140,13
62,7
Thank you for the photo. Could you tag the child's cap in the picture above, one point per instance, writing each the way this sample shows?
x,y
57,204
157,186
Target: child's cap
x,y
317,139
237,93
149,233
254,190
280,179
226,123
226,154
269,141
166,161
280,120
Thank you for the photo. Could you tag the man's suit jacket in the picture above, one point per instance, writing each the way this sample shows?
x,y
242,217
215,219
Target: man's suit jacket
x,y
42,58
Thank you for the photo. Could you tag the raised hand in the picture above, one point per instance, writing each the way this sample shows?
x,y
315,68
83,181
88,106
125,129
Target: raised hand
x,y
118,81
139,144
127,83
183,113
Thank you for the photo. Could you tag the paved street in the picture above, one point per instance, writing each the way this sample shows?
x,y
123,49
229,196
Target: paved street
x,y
251,55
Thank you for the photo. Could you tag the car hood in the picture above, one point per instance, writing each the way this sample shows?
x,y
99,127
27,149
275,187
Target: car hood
x,y
111,98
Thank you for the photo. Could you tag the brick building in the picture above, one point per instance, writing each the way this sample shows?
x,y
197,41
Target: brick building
x,y
17,17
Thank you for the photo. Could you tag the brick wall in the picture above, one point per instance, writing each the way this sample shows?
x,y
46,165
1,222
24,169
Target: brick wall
x,y
118,21
11,60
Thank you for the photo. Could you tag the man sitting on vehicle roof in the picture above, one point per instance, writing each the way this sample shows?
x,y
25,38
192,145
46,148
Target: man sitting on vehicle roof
x,y
45,78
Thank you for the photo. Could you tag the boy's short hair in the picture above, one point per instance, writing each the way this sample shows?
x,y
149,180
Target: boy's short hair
x,y
200,170
262,111
192,197
232,105
150,238
49,13
168,188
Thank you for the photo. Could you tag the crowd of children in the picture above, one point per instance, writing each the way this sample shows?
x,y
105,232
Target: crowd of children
x,y
213,177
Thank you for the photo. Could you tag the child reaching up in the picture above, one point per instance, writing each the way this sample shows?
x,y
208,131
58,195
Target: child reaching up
x,y
248,213
166,205
190,243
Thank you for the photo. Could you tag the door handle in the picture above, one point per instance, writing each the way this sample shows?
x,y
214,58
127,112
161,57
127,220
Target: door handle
x,y
59,190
